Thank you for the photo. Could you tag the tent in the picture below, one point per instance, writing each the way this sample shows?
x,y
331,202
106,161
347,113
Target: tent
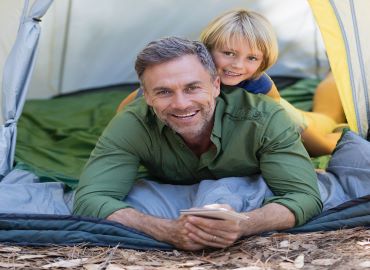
x,y
342,25
89,44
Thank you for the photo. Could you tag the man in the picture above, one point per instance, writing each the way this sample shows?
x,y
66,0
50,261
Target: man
x,y
185,132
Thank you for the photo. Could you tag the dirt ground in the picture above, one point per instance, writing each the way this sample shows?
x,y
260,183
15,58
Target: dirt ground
x,y
343,249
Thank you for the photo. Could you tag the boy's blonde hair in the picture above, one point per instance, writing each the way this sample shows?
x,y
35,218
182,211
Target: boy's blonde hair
x,y
243,24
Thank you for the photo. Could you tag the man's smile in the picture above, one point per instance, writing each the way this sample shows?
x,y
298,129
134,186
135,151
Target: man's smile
x,y
185,115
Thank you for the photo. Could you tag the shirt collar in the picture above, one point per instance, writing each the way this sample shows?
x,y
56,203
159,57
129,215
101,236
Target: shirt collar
x,y
219,111
153,117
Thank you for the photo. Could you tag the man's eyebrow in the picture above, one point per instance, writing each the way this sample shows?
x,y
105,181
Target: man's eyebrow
x,y
160,88
193,83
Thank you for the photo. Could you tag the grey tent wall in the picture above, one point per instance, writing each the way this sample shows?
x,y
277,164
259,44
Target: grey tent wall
x,y
16,78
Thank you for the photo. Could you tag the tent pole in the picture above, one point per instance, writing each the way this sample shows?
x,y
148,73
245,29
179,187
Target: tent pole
x,y
64,50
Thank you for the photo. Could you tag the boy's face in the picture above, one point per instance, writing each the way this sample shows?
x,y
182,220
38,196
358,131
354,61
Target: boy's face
x,y
237,62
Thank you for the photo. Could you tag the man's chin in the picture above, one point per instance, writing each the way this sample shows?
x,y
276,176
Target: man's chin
x,y
187,131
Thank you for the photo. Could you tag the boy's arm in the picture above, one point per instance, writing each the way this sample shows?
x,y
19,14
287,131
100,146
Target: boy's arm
x,y
274,93
131,97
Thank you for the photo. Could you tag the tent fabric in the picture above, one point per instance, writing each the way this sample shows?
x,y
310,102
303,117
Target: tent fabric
x,y
92,33
17,73
342,24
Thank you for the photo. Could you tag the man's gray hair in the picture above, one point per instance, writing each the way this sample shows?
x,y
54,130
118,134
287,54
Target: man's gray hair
x,y
169,48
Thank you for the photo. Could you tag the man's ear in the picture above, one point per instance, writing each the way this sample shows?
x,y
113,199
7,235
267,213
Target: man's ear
x,y
216,84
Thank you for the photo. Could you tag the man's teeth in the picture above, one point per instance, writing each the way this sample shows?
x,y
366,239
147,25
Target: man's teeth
x,y
185,115
230,73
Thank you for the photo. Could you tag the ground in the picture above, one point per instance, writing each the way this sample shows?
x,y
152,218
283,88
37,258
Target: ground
x,y
343,249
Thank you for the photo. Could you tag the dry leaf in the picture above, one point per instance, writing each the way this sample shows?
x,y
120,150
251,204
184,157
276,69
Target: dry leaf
x,y
258,255
364,264
284,244
66,263
119,267
286,266
294,245
263,241
10,249
197,268
249,268
152,263
191,263
324,262
309,246
92,266
134,267
176,253
299,261
365,244
11,265
25,257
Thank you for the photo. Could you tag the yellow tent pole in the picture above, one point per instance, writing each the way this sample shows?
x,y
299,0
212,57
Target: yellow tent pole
x,y
335,47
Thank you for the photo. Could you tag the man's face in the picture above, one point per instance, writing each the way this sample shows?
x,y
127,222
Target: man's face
x,y
182,94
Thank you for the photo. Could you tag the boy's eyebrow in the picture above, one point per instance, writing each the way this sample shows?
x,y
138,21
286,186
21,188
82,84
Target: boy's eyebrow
x,y
227,48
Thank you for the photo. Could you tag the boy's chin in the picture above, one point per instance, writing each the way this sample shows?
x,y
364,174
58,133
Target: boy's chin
x,y
230,82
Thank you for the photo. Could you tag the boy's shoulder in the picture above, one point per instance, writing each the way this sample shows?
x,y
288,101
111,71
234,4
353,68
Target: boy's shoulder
x,y
238,97
240,104
137,112
260,85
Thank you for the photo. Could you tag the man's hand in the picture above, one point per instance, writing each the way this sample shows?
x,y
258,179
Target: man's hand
x,y
194,233
170,231
223,233
213,232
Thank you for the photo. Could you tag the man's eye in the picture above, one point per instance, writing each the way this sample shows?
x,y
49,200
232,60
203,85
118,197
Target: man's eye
x,y
192,88
162,92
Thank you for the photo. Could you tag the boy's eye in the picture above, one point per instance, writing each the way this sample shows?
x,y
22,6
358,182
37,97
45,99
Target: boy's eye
x,y
228,53
252,58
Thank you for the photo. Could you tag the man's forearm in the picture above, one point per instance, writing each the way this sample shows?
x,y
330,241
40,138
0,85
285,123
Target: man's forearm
x,y
155,227
270,217
165,230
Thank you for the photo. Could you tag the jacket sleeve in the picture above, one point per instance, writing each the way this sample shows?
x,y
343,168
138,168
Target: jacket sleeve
x,y
287,168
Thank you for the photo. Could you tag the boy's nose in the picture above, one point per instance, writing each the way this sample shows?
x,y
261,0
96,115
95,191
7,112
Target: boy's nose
x,y
237,63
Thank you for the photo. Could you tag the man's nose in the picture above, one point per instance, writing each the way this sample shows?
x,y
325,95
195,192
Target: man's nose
x,y
180,101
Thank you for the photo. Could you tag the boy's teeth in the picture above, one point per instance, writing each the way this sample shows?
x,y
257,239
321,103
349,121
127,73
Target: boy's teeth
x,y
231,73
